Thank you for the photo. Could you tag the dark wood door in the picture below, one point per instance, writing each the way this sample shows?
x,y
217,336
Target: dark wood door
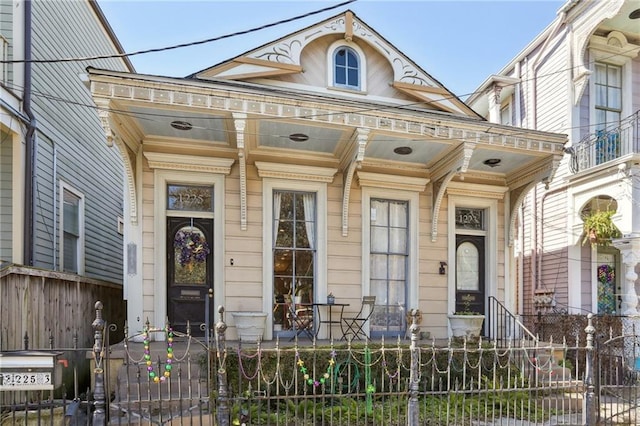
x,y
189,273
470,269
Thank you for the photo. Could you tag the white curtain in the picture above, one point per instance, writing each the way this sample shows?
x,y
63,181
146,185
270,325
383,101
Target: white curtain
x,y
277,202
309,217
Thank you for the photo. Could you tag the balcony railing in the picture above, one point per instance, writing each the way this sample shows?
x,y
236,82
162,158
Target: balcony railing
x,y
607,144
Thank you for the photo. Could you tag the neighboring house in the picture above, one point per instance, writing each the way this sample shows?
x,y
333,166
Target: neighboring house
x,y
71,223
580,76
60,186
323,162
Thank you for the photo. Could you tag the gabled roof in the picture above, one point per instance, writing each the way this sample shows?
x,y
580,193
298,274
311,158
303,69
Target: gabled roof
x,y
284,57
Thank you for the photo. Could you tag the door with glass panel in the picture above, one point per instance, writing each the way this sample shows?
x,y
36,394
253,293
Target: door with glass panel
x,y
470,283
190,251
294,259
388,266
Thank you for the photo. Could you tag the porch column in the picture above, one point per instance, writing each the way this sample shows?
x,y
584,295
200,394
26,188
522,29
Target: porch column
x,y
630,252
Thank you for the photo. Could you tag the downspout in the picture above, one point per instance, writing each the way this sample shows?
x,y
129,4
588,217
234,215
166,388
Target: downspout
x,y
29,223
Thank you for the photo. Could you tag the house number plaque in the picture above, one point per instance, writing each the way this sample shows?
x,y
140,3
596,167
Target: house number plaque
x,y
190,198
470,218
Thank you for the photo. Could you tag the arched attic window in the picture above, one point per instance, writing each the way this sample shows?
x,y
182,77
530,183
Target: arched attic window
x,y
347,68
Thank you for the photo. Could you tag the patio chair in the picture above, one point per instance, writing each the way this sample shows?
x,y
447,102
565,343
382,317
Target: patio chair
x,y
354,326
301,320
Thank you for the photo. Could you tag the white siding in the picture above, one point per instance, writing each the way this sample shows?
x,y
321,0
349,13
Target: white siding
x,y
6,170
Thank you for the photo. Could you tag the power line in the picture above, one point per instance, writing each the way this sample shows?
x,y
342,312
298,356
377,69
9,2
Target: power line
x,y
178,46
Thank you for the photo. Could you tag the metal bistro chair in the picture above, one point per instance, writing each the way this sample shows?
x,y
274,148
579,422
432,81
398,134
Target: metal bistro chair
x,y
301,320
355,325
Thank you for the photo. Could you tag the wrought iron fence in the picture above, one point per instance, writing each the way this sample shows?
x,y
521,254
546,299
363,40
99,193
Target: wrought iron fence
x,y
176,379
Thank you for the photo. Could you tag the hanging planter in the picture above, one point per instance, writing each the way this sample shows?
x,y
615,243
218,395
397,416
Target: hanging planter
x,y
599,228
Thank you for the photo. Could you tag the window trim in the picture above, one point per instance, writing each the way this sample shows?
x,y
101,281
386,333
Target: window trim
x,y
81,228
412,273
269,185
362,66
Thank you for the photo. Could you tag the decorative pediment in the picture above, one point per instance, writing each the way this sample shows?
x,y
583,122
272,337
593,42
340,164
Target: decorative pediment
x,y
283,56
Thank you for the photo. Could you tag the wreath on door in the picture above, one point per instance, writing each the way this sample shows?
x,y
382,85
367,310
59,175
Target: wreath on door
x,y
192,246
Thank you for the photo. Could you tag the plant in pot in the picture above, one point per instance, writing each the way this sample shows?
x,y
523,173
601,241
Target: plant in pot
x,y
466,323
599,228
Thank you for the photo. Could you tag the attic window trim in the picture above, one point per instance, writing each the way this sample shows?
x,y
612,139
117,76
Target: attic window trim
x,y
362,66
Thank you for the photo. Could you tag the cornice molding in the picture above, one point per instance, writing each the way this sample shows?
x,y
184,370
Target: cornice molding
x,y
158,160
477,190
381,180
296,172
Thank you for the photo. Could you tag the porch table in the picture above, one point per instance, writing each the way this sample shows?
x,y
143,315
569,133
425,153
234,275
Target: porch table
x,y
329,322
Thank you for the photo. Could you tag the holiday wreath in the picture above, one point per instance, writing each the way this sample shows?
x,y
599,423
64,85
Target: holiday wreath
x,y
192,246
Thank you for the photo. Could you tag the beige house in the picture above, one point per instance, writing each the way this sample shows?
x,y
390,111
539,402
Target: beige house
x,y
325,162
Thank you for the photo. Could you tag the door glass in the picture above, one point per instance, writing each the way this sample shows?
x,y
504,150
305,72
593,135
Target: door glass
x,y
191,249
606,284
467,267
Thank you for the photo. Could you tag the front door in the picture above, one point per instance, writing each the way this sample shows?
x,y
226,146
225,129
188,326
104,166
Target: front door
x,y
470,286
189,273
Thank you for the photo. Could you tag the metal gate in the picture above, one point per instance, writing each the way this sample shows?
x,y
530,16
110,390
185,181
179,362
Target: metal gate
x,y
617,379
161,377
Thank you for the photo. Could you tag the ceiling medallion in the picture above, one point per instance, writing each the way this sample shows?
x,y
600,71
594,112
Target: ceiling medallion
x,y
181,125
492,162
298,137
403,150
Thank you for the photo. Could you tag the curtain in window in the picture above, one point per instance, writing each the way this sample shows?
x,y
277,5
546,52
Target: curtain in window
x,y
308,201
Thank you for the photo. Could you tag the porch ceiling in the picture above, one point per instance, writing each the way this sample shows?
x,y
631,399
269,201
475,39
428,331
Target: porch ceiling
x,y
248,123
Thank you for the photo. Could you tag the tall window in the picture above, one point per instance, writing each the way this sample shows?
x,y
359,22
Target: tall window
x,y
346,68
71,230
389,261
294,245
608,85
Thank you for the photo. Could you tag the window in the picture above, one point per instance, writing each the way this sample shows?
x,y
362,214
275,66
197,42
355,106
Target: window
x,y
608,99
346,68
294,249
72,216
389,261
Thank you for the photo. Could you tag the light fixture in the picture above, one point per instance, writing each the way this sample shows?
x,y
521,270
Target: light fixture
x,y
441,269
298,137
635,14
403,150
492,162
181,125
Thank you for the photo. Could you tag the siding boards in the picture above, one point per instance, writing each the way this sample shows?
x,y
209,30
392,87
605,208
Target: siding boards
x,y
65,113
6,30
6,205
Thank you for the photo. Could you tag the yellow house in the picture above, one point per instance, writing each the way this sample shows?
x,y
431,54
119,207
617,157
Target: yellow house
x,y
325,162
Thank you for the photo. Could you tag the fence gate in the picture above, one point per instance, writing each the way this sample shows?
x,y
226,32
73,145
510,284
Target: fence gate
x,y
160,377
617,380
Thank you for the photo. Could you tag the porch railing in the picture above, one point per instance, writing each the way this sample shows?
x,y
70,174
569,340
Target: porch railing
x,y
504,327
607,144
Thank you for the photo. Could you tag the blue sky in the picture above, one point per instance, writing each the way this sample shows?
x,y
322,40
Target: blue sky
x,y
459,43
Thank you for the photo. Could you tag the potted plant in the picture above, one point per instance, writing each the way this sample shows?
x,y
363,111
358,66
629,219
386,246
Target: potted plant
x,y
331,299
466,323
249,325
599,228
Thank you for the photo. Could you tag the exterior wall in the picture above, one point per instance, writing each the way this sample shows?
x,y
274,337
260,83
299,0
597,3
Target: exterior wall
x,y
6,203
6,31
71,143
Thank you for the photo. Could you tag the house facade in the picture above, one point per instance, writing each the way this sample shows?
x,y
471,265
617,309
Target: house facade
x,y
580,76
60,186
324,162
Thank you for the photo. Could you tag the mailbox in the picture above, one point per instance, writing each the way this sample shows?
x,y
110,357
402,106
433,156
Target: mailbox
x,y
29,370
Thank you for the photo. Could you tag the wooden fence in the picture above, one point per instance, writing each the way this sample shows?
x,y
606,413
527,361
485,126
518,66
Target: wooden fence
x,y
54,309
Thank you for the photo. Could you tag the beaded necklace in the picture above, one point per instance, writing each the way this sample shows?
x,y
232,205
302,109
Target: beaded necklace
x,y
159,377
307,377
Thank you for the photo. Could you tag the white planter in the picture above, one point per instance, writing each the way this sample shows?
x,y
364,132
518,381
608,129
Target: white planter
x,y
249,325
469,326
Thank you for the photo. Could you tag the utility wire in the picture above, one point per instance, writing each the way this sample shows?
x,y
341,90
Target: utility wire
x,y
178,46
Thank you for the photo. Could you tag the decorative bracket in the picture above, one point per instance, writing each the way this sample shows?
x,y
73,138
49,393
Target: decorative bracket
x,y
457,162
239,120
361,137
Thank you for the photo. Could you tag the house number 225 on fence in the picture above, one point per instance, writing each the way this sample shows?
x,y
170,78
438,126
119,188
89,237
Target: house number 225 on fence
x,y
23,380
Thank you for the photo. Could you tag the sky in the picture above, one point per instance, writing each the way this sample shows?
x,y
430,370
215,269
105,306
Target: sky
x,y
459,43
